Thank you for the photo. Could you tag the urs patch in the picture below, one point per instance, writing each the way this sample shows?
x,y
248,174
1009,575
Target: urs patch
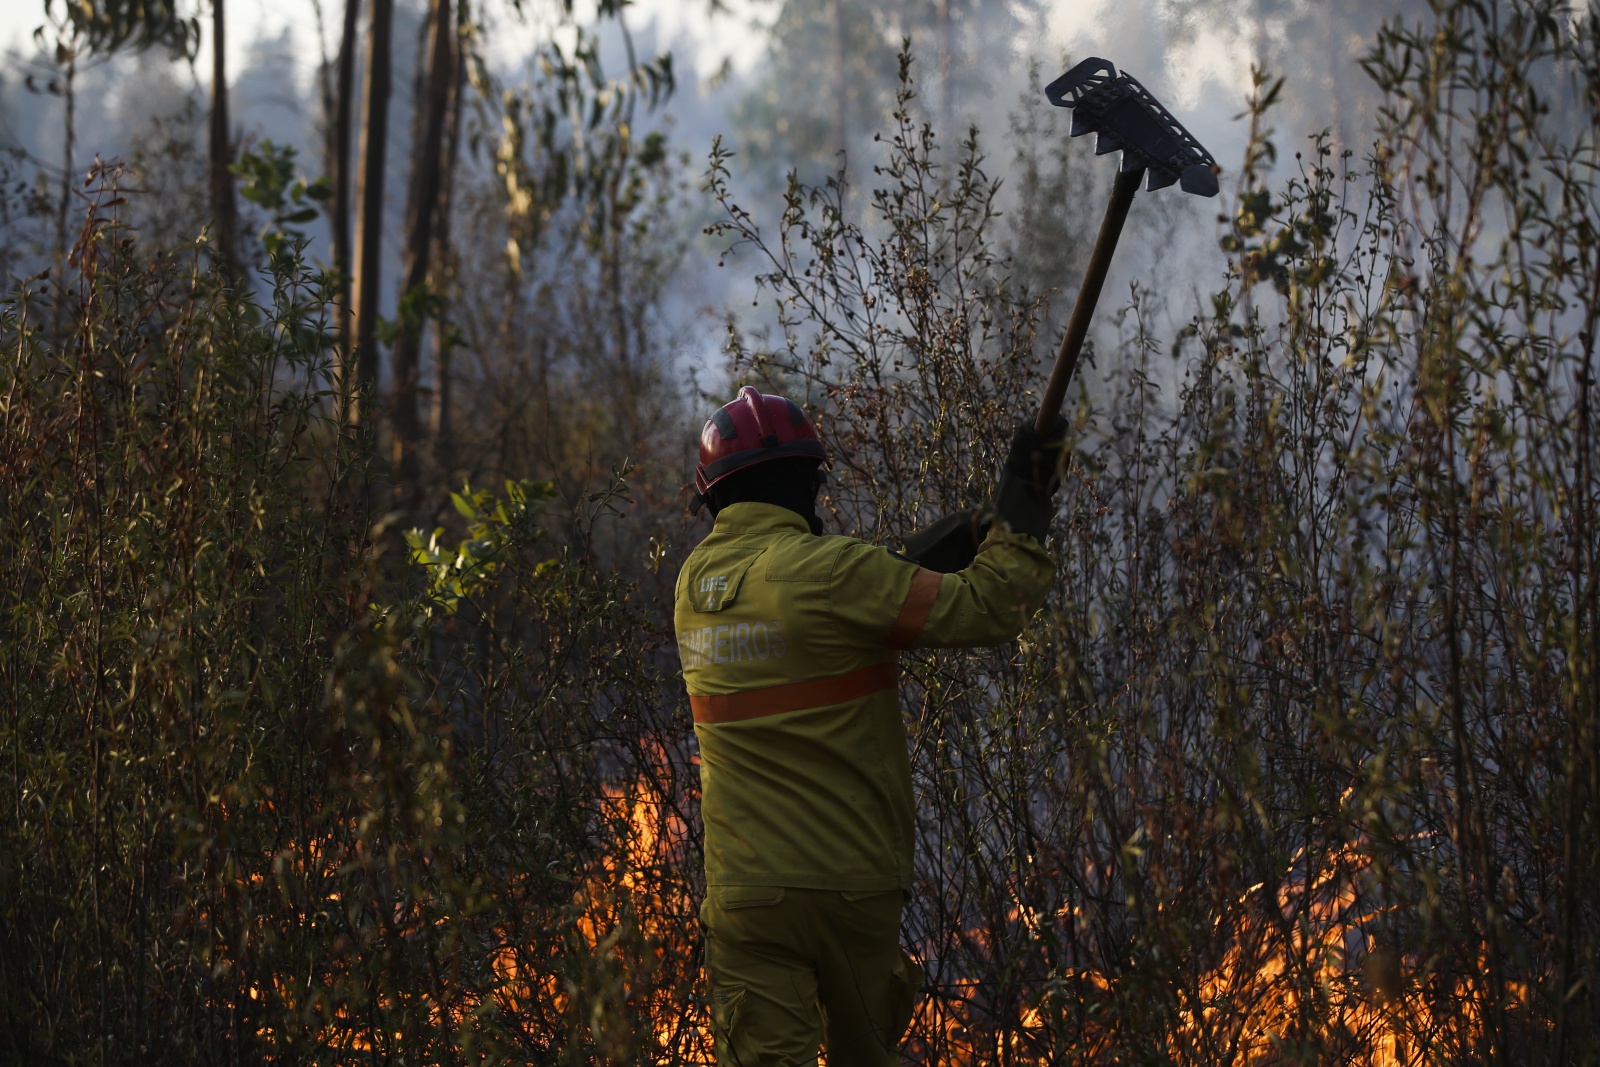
x,y
713,585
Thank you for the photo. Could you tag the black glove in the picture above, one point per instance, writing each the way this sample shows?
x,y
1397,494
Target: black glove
x,y
1029,478
949,545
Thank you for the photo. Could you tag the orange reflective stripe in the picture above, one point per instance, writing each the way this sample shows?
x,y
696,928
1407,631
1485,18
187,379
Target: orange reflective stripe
x,y
794,696
915,611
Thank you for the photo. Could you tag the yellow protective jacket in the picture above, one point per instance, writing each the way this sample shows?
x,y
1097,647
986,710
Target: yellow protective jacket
x,y
789,644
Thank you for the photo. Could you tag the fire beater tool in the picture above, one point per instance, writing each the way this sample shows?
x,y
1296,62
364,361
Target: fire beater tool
x,y
1157,150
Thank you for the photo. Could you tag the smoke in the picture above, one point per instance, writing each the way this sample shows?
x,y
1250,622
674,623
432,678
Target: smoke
x,y
767,79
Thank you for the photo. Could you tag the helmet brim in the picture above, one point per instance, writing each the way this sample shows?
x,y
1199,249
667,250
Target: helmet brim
x,y
804,448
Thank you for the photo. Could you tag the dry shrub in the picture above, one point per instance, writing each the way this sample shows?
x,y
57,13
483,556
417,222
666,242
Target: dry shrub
x,y
1298,764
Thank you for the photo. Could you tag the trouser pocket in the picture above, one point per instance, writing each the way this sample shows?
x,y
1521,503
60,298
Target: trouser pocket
x,y
733,897
761,1013
727,1023
905,982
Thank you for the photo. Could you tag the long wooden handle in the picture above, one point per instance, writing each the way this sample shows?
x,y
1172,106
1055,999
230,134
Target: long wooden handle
x,y
1094,276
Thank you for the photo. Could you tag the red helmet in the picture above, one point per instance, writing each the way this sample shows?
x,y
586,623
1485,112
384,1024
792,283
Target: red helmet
x,y
753,428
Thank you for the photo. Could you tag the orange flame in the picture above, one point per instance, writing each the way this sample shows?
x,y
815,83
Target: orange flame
x,y
1302,966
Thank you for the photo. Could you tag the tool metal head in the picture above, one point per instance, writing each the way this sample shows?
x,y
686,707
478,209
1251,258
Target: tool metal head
x,y
1124,115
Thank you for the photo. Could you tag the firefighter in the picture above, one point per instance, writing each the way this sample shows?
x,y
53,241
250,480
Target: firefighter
x,y
788,639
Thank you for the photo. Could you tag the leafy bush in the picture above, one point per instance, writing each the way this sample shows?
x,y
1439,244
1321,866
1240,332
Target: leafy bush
x,y
268,793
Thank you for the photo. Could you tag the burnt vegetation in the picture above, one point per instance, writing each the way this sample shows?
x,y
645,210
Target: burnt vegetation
x,y
320,744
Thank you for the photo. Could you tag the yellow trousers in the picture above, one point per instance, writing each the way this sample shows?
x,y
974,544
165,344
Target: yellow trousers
x,y
795,969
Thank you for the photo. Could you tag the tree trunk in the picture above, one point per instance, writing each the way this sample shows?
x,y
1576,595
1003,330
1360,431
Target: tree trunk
x,y
440,427
369,198
222,207
840,82
68,179
946,91
422,204
339,171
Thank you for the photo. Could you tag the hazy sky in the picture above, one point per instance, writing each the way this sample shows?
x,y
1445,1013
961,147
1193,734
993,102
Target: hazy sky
x,y
1072,24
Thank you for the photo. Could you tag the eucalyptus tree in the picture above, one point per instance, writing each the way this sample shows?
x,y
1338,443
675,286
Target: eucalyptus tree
x,y
1322,43
85,27
579,118
375,88
110,25
830,74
